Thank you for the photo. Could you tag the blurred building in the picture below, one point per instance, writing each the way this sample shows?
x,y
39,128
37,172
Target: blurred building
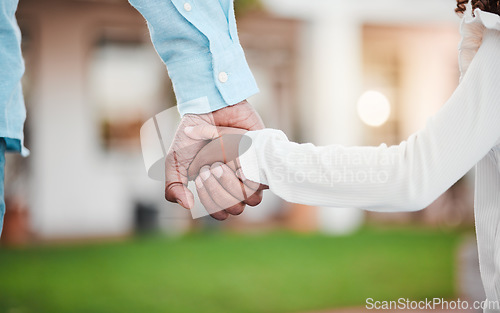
x,y
93,78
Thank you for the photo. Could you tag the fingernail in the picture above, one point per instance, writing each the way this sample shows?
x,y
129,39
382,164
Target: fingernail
x,y
198,183
205,174
217,171
188,129
180,203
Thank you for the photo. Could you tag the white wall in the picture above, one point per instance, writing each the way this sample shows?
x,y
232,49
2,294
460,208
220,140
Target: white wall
x,y
75,190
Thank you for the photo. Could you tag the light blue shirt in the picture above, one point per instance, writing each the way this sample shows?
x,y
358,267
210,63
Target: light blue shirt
x,y
198,41
12,110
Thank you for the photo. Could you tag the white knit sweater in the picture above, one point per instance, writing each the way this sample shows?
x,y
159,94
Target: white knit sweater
x,y
466,132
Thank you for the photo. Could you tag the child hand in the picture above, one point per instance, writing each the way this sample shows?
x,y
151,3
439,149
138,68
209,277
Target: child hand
x,y
220,183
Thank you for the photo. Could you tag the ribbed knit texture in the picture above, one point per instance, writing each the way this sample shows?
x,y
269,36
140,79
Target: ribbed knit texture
x,y
411,175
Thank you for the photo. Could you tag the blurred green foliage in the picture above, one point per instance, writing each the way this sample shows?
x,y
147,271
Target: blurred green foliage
x,y
214,273
242,6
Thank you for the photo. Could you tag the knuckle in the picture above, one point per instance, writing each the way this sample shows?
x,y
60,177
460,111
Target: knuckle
x,y
236,209
169,194
254,199
220,216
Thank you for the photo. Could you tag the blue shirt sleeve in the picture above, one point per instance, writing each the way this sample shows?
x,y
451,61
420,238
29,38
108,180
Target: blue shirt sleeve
x,y
198,41
11,71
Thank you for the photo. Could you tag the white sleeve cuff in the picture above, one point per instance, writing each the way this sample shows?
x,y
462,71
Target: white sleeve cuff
x,y
256,153
249,159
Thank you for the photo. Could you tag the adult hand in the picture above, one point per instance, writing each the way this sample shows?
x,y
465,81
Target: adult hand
x,y
184,149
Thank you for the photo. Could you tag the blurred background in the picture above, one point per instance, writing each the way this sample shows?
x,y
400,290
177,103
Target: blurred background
x,y
86,230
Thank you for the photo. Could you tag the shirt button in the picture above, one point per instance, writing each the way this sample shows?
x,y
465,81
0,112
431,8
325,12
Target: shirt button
x,y
223,77
187,6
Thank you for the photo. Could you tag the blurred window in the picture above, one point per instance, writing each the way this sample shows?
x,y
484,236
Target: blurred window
x,y
128,84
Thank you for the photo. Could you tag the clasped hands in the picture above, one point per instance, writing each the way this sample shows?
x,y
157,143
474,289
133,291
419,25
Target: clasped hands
x,y
199,153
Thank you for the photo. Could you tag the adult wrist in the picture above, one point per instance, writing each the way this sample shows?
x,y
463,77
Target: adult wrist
x,y
209,82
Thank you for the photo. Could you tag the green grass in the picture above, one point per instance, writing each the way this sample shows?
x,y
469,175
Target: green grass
x,y
223,272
